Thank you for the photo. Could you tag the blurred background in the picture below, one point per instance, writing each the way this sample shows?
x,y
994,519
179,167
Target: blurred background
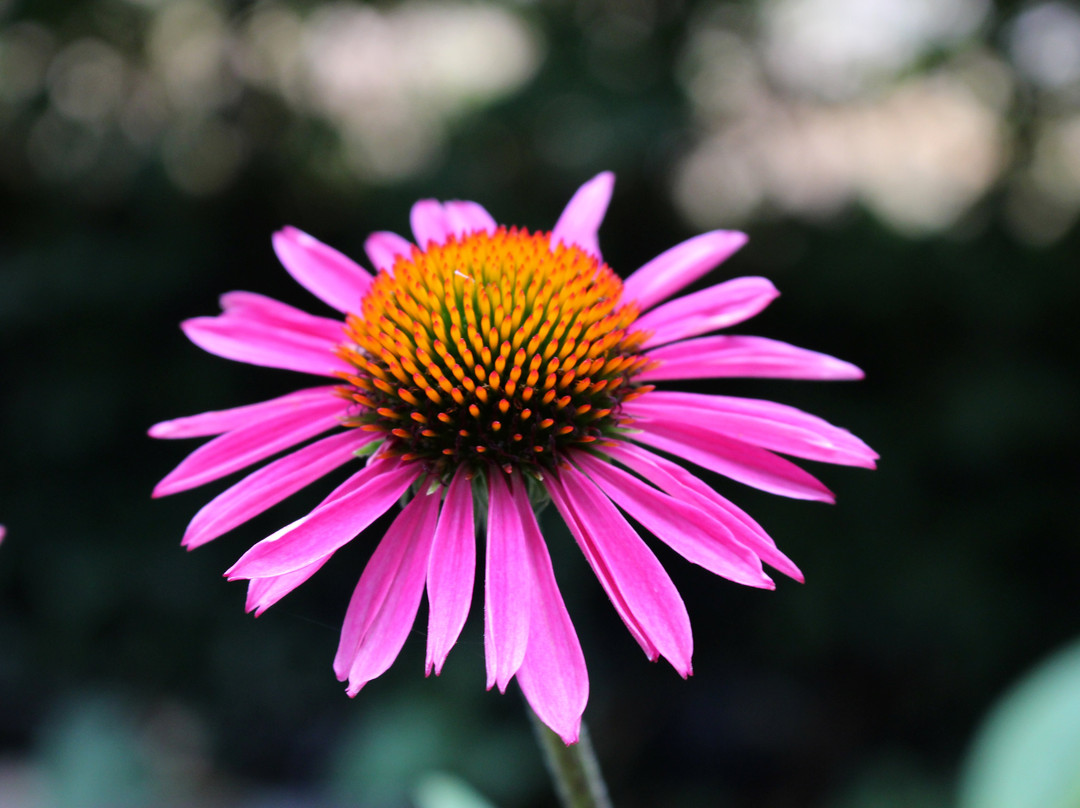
x,y
909,174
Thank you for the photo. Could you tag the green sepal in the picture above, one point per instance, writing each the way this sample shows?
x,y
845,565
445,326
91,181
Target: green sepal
x,y
368,448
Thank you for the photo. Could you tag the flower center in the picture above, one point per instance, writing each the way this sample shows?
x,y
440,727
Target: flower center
x,y
493,349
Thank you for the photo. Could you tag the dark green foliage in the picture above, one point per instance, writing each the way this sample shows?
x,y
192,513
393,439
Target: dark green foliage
x,y
934,583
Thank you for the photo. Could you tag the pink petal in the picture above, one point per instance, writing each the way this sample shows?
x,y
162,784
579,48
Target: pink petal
x,y
451,571
271,484
372,492
237,449
429,224
218,421
352,483
384,605
374,584
600,569
740,461
254,331
383,249
757,357
767,424
463,218
262,310
581,218
332,277
680,266
552,675
507,596
717,307
641,591
687,530
680,483
265,592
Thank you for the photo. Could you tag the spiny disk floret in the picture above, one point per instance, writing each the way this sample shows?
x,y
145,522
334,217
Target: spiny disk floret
x,y
493,349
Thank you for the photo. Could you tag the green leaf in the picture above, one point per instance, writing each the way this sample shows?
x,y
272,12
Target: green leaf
x,y
1027,753
440,790
368,448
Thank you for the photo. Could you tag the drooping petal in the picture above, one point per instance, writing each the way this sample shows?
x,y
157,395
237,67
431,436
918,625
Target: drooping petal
x,y
276,336
679,482
265,592
332,277
711,309
464,217
507,595
265,311
374,584
772,426
429,223
239,448
633,578
384,605
552,676
680,266
352,483
687,530
585,542
271,484
218,421
331,525
451,571
752,357
740,461
383,249
581,218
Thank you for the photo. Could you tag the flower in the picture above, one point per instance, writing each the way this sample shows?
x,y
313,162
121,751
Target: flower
x,y
492,365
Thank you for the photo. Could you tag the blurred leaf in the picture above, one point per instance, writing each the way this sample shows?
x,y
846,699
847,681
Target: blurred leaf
x,y
385,752
1028,751
440,790
93,757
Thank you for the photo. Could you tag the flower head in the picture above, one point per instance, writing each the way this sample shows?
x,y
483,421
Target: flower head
x,y
498,365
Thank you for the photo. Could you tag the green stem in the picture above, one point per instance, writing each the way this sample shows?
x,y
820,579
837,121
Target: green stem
x,y
574,768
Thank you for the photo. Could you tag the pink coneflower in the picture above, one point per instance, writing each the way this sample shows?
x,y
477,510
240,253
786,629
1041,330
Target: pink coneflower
x,y
482,370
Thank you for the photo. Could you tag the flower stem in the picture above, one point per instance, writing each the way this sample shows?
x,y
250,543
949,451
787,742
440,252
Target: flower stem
x,y
574,768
